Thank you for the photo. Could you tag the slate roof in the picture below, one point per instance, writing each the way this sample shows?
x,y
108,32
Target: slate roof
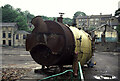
x,y
94,16
22,32
9,24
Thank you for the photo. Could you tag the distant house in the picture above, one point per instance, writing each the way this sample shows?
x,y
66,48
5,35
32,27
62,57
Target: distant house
x,y
0,34
86,22
20,38
113,22
8,30
110,34
10,36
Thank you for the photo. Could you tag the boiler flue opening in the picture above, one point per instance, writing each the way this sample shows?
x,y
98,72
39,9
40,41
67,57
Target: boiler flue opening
x,y
40,53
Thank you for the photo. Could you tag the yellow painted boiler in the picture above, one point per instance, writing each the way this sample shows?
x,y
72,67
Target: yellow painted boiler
x,y
83,45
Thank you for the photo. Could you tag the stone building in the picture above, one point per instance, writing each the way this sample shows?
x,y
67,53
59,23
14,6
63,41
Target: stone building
x,y
8,30
93,21
113,22
20,38
10,36
0,34
110,34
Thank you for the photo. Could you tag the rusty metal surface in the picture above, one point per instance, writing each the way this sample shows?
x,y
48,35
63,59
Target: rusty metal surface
x,y
50,43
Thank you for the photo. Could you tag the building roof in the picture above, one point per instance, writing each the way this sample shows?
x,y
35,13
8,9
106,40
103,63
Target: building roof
x,y
22,32
9,24
94,16
107,15
108,28
84,17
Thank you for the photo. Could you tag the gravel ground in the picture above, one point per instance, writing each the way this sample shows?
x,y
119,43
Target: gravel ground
x,y
12,74
18,64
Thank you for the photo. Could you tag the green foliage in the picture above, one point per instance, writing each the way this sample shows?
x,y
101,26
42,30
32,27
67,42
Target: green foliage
x,y
28,16
118,30
67,21
23,19
48,18
0,15
76,15
21,23
117,12
9,14
91,28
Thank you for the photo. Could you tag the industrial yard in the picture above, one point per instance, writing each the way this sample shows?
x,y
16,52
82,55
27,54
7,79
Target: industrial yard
x,y
17,63
81,44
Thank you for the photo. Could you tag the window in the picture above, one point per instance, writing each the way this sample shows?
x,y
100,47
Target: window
x,y
17,36
9,42
91,19
79,19
103,18
4,42
96,19
96,23
4,35
91,23
85,19
24,36
79,24
9,35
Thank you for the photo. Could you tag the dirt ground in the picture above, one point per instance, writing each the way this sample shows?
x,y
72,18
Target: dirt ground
x,y
19,61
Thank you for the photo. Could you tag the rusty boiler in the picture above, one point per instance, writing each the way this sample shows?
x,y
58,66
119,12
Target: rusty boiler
x,y
53,43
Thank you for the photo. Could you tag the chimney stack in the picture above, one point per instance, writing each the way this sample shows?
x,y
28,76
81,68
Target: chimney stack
x,y
60,19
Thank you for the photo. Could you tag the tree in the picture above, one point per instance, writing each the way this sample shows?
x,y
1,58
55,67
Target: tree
x,y
91,28
9,14
117,13
21,23
118,30
0,15
48,18
78,13
28,16
67,21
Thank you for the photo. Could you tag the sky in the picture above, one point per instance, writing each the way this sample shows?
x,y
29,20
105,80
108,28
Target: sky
x,y
51,8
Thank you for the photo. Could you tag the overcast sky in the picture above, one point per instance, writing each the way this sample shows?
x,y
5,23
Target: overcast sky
x,y
51,8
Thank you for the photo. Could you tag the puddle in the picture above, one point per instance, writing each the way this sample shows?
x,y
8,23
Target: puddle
x,y
105,76
24,55
26,63
37,68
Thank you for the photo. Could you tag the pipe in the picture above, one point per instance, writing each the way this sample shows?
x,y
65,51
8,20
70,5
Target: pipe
x,y
39,24
56,75
80,71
